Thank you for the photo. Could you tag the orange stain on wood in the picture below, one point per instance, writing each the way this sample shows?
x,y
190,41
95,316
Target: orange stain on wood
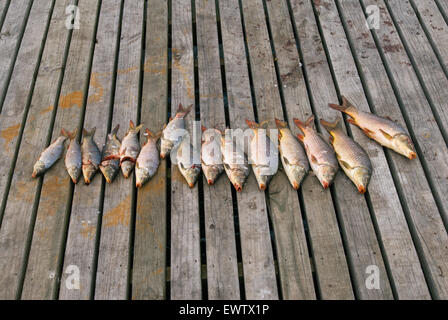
x,y
99,90
71,99
88,231
9,134
52,191
153,65
120,215
128,70
49,109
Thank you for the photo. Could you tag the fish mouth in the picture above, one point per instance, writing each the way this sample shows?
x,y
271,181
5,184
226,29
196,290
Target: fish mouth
x,y
238,187
139,185
191,185
75,181
412,155
262,187
362,189
162,156
295,185
325,184
87,181
210,182
34,175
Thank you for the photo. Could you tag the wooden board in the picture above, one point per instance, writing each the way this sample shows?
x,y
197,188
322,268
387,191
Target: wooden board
x,y
418,203
435,28
21,84
149,267
407,278
443,7
185,236
222,263
18,217
10,39
258,262
284,207
112,279
4,4
87,200
42,273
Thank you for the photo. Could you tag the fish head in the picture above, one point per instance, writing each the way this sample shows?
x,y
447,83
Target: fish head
x,y
296,174
126,168
165,147
190,173
263,181
238,178
39,169
141,177
404,145
74,173
361,177
109,172
88,172
326,174
211,173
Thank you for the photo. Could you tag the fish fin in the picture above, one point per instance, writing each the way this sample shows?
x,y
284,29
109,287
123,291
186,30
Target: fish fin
x,y
164,126
301,137
152,136
131,124
331,126
310,122
386,135
90,133
170,119
344,107
388,118
313,159
264,124
183,112
352,121
69,135
281,124
252,124
331,137
345,164
203,128
137,129
286,160
368,132
115,130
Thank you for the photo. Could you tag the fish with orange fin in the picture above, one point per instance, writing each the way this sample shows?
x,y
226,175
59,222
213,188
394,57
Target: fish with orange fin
x,y
235,161
110,158
129,149
383,130
353,159
148,160
91,156
320,154
173,131
188,161
73,157
50,155
211,155
292,155
263,155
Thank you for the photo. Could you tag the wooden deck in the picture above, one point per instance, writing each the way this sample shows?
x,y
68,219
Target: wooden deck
x,y
234,60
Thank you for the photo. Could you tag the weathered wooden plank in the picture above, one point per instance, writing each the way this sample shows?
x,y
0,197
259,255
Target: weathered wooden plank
x,y
10,38
149,268
87,200
4,4
112,280
17,220
432,78
422,214
18,96
435,27
407,278
284,207
185,236
443,7
222,267
42,274
258,265
355,220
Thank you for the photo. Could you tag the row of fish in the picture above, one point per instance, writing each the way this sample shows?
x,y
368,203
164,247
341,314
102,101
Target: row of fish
x,y
219,151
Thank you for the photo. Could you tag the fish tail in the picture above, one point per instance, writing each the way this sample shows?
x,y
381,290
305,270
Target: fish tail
x,y
331,126
69,135
203,128
346,107
281,124
90,133
152,136
115,130
183,112
303,126
252,124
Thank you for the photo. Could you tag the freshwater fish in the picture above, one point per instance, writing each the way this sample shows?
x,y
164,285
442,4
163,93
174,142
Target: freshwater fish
x,y
73,157
383,130
129,150
320,154
353,159
263,155
172,132
235,162
148,160
188,162
110,158
211,155
292,155
91,156
50,156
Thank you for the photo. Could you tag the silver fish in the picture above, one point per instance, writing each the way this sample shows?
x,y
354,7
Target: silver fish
x,y
129,150
188,162
235,162
49,156
170,136
73,157
292,155
110,158
320,154
211,155
263,154
91,156
148,160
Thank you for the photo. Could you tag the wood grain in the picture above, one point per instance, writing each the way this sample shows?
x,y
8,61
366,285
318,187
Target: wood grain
x,y
112,278
17,220
87,200
149,268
